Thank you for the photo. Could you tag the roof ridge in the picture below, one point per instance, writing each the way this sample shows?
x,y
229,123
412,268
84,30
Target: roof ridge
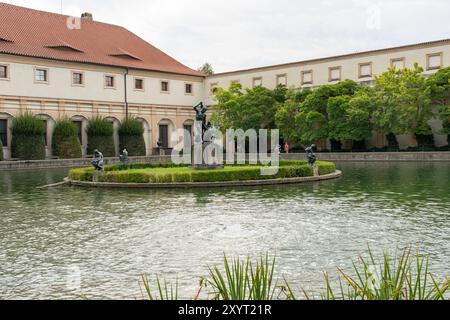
x,y
37,11
286,64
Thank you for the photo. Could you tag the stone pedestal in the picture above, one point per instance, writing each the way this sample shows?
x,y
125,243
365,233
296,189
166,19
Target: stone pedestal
x,y
316,171
206,163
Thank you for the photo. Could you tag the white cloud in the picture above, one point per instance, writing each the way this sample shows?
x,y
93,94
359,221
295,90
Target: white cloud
x,y
236,34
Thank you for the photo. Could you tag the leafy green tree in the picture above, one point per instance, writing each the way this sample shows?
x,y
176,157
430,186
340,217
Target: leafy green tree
x,y
206,69
404,102
247,109
287,112
349,116
439,84
312,120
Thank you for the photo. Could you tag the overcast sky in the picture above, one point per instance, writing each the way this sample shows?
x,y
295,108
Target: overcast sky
x,y
236,34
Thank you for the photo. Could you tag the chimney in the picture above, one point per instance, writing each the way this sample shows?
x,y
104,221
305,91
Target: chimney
x,y
87,16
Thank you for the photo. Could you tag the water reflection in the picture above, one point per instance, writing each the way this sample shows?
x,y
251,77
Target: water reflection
x,y
111,237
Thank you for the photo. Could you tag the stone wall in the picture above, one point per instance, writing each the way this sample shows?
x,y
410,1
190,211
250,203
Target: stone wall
x,y
71,163
375,156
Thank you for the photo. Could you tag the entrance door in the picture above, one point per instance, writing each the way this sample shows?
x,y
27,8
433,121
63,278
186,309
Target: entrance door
x,y
164,135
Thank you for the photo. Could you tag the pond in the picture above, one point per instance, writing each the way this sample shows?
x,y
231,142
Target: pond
x,y
69,243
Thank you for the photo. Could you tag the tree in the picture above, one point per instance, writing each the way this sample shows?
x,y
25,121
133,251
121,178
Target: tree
x,y
312,120
206,69
439,84
349,116
246,109
287,112
404,102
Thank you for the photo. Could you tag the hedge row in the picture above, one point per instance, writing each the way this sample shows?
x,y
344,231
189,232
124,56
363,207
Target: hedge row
x,y
65,142
141,174
131,137
28,137
100,136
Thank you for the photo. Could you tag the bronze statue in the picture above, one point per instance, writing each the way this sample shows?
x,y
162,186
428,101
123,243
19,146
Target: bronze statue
x,y
312,158
201,110
98,161
124,156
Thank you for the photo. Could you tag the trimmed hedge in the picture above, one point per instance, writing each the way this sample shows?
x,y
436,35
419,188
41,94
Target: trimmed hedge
x,y
131,137
100,136
65,142
140,173
28,137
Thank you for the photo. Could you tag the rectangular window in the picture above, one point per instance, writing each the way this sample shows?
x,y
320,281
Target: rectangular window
x,y
139,84
257,82
307,77
4,132
282,79
79,126
164,135
109,81
188,88
434,61
77,78
164,86
365,70
398,63
4,72
334,74
41,75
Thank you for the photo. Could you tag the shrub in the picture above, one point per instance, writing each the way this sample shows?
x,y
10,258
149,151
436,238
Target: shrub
x,y
28,137
100,136
140,173
131,137
65,142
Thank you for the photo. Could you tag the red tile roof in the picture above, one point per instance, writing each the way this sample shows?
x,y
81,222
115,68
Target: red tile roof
x,y
40,34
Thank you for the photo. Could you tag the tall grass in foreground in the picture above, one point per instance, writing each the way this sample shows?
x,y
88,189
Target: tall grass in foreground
x,y
243,279
406,277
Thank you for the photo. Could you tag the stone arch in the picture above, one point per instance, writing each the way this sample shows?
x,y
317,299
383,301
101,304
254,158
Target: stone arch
x,y
116,124
81,122
50,126
7,146
147,137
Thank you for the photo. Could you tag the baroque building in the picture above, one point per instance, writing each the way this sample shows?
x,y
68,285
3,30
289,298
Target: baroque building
x,y
57,66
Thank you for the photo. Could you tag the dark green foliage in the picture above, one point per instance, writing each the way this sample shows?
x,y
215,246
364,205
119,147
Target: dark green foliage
x,y
100,136
28,137
247,109
131,137
392,142
65,142
425,141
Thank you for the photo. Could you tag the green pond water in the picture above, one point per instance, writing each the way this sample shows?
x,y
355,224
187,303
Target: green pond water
x,y
88,243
